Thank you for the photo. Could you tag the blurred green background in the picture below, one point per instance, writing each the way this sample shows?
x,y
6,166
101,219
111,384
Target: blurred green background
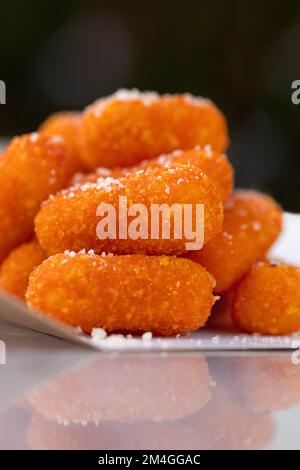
x,y
243,55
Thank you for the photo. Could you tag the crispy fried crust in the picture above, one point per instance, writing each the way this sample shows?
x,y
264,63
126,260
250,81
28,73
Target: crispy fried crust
x,y
215,165
268,300
129,127
134,293
69,221
32,167
17,267
252,222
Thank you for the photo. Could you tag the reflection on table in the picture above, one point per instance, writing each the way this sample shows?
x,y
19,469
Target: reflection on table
x,y
165,401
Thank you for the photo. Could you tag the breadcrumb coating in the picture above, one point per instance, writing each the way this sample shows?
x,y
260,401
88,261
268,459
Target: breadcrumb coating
x,y
69,220
215,165
32,167
133,293
67,125
17,267
252,222
268,300
129,127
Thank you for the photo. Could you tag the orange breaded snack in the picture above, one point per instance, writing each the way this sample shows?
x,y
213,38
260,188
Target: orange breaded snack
x,y
252,222
133,293
66,124
17,267
33,167
268,300
130,126
70,220
215,165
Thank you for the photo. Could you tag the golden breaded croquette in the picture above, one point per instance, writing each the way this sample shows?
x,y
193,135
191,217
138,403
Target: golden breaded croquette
x,y
133,293
17,267
268,300
67,125
69,221
215,165
252,222
130,126
32,167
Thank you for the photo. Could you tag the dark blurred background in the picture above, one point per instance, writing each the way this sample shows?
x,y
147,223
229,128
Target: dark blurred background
x,y
243,55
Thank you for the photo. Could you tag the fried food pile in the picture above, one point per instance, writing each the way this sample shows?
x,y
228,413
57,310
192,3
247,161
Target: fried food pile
x,y
152,152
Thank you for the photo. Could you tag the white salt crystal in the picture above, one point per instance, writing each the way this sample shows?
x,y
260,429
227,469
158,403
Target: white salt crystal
x,y
147,97
34,136
98,333
57,139
208,150
256,226
215,339
147,336
70,253
103,171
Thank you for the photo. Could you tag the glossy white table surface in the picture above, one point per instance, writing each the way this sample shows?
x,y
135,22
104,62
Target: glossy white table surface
x,y
58,395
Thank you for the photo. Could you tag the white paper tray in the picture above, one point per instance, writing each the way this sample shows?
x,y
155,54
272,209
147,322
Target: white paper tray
x,y
209,338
